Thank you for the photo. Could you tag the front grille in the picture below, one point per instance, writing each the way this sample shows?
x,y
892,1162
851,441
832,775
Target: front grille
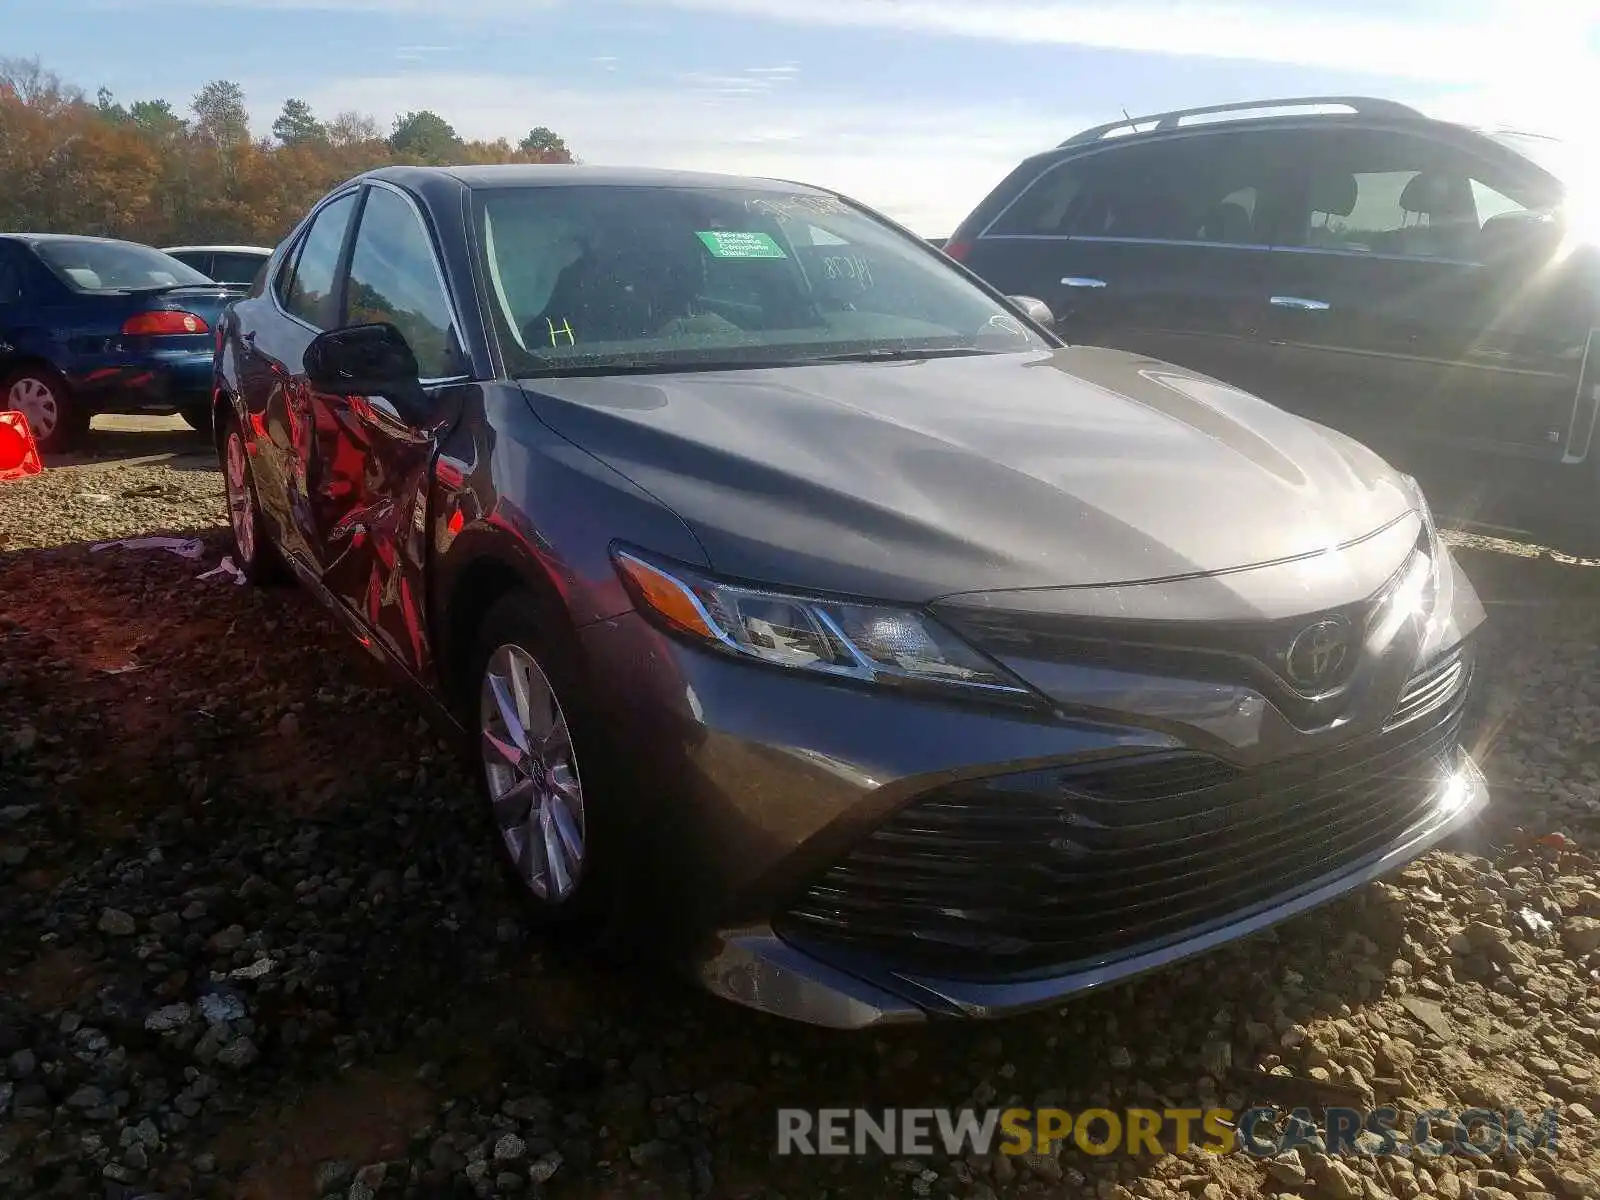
x,y
1052,870
1244,653
1434,685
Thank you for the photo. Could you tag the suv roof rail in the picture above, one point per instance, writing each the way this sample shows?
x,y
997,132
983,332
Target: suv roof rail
x,y
1359,105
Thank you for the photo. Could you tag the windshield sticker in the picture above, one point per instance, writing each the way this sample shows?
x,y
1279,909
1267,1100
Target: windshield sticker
x,y
725,243
796,206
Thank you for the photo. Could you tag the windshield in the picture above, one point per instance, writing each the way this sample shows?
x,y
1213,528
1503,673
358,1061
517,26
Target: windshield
x,y
659,278
1552,155
114,266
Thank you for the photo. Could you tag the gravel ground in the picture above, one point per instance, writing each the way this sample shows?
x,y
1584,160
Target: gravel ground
x,y
252,944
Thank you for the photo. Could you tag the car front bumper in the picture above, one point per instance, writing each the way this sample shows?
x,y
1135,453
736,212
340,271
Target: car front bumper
x,y
159,382
754,781
758,968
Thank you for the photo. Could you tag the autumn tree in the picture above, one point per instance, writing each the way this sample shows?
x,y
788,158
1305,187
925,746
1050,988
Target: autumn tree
x,y
137,169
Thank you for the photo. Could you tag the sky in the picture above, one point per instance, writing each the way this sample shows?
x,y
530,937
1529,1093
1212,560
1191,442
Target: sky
x,y
916,107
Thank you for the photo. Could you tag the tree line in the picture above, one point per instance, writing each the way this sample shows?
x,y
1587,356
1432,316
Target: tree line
x,y
147,172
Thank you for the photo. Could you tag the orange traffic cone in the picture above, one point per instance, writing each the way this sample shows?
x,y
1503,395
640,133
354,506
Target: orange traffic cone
x,y
19,453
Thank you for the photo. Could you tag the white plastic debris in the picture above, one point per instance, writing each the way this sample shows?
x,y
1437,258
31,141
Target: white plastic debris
x,y
225,567
183,547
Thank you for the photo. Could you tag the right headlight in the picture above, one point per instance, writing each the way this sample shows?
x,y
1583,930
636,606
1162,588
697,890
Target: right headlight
x,y
1427,591
872,643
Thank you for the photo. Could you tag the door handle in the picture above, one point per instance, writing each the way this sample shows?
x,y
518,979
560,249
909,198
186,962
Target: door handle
x,y
1301,303
1081,281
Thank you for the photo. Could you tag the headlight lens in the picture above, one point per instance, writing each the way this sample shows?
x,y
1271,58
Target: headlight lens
x,y
1420,502
871,643
1418,595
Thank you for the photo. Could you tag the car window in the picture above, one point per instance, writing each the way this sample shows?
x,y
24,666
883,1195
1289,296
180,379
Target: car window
x,y
1379,192
235,268
1215,188
200,262
90,265
645,276
310,294
394,278
12,283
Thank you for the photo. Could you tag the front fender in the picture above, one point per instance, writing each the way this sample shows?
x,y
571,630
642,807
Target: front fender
x,y
516,504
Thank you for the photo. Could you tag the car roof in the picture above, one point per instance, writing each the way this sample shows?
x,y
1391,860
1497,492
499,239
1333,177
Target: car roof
x,y
264,251
569,175
34,238
1271,110
1364,113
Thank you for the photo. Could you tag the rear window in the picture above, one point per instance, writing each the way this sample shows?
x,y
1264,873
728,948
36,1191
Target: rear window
x,y
236,268
89,266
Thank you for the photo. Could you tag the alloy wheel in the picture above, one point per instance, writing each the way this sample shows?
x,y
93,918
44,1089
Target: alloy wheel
x,y
34,399
241,502
532,774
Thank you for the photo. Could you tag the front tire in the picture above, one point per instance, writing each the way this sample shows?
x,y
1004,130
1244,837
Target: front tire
x,y
55,418
253,551
542,767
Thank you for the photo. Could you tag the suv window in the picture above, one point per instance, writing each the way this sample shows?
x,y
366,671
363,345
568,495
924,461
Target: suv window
x,y
235,268
13,289
192,258
1213,188
1378,192
310,293
393,278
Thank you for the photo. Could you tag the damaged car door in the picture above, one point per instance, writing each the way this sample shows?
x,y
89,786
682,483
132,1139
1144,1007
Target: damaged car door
x,y
385,388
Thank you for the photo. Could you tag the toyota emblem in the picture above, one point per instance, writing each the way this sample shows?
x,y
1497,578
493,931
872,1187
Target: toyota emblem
x,y
1317,655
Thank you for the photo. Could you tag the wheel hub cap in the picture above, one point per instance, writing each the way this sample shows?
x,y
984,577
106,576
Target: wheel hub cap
x,y
532,774
34,400
241,514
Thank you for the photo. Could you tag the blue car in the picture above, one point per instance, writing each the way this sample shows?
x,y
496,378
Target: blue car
x,y
94,325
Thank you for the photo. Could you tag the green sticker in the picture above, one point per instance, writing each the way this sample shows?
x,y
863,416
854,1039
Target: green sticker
x,y
724,243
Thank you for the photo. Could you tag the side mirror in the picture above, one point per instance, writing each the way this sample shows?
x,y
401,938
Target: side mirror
x,y
363,360
1037,310
373,361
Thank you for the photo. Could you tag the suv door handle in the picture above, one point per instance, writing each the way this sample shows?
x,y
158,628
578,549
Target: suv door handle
x,y
1080,281
1301,303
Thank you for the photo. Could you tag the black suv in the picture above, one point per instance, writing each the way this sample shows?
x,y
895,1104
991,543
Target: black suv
x,y
1419,285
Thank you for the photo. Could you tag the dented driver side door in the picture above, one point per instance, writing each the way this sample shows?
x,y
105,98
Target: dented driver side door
x,y
373,464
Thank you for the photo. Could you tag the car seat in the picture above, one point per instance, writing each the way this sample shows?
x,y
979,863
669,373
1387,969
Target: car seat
x,y
1332,194
1438,216
1229,222
626,286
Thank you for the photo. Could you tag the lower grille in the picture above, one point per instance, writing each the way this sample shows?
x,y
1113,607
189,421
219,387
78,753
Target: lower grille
x,y
1057,869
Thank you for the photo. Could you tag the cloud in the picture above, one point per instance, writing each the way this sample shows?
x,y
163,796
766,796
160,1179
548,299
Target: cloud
x,y
925,165
1469,40
421,53
752,81
500,10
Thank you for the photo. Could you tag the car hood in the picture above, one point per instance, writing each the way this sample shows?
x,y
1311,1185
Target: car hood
x,y
919,479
